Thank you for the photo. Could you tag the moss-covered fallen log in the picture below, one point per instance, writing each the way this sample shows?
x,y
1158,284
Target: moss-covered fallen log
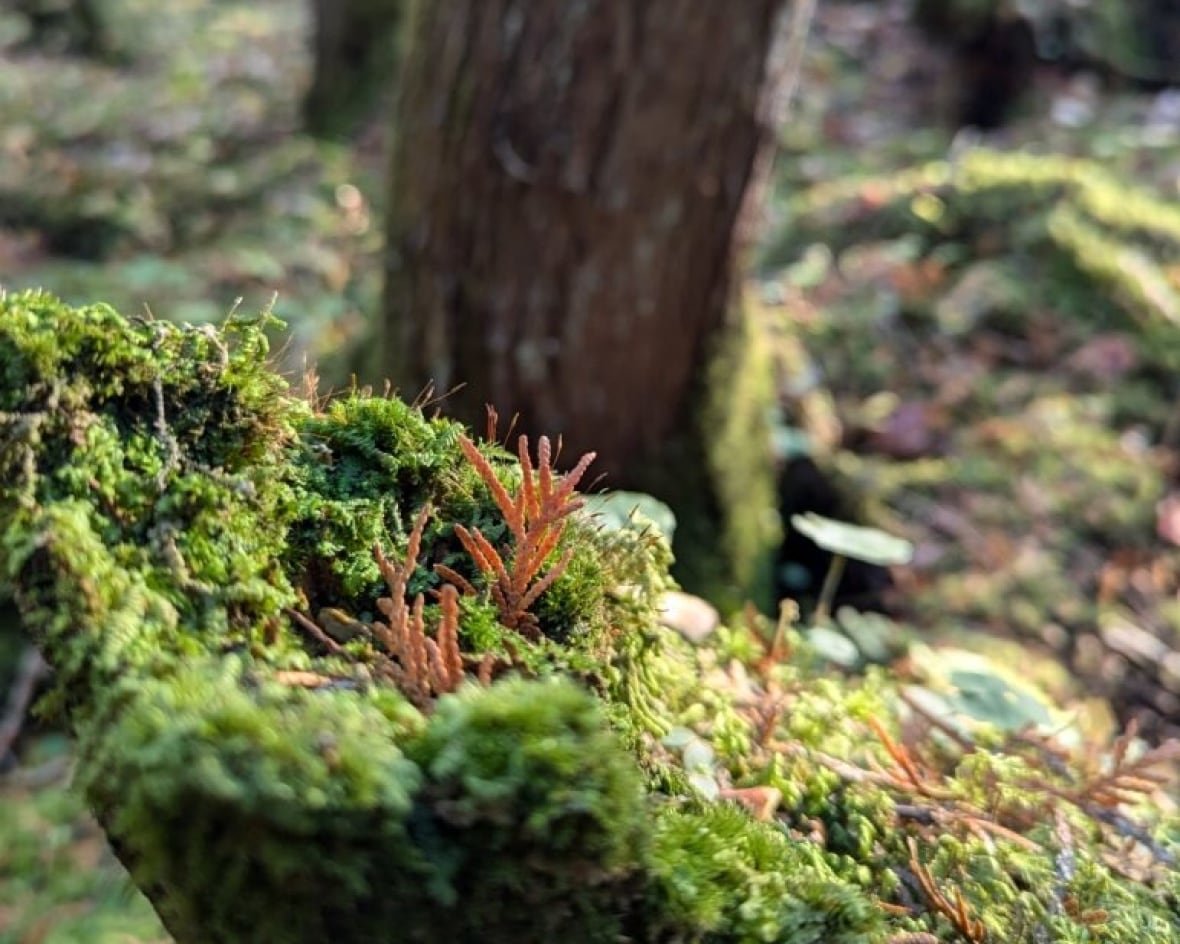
x,y
337,673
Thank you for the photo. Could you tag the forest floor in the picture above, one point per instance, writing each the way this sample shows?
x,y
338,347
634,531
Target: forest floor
x,y
177,179
951,354
1031,455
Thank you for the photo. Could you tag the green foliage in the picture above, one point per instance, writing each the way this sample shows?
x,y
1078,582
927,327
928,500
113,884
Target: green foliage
x,y
1100,247
847,540
193,764
364,467
58,881
172,176
156,523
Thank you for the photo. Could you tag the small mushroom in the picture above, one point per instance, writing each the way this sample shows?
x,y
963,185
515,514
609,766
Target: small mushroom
x,y
845,540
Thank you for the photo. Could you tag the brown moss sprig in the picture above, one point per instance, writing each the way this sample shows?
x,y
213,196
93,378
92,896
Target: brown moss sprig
x,y
906,774
1108,787
1126,780
421,667
957,911
536,517
1103,792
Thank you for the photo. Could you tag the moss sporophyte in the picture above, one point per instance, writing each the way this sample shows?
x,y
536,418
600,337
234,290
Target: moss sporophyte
x,y
476,728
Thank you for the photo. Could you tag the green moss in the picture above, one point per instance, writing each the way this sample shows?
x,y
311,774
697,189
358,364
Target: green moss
x,y
1097,247
1019,312
738,438
194,764
363,469
163,515
536,816
718,475
726,879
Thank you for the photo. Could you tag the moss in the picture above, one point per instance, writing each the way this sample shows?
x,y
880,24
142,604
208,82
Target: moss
x,y
536,816
718,475
729,880
738,437
1103,247
362,470
169,503
192,765
161,517
1014,315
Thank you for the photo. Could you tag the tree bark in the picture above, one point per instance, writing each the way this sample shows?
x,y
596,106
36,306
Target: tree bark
x,y
572,186
354,49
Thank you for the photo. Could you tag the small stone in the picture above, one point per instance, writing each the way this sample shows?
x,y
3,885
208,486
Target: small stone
x,y
340,625
1134,643
690,616
760,801
300,679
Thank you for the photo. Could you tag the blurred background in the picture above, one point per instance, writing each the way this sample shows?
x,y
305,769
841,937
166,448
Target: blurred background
x,y
912,263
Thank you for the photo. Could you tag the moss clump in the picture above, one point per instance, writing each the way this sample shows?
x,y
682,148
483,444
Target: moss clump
x,y
720,875
166,504
193,764
535,817
605,781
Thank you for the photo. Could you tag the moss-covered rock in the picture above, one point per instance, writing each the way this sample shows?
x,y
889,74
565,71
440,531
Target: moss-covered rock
x,y
166,510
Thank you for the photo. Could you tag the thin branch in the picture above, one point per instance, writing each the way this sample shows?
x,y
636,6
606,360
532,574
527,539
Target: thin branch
x,y
312,629
957,912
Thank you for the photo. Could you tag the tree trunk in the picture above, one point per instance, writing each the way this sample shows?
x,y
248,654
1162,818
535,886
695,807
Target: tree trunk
x,y
354,45
571,186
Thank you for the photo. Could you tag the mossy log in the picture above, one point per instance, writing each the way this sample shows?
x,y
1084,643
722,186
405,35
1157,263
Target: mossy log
x,y
166,504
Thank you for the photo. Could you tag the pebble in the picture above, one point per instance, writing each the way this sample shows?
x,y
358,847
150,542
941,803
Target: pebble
x,y
694,618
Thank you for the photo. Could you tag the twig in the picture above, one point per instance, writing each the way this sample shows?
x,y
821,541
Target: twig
x,y
166,437
957,912
309,626
906,774
940,723
1129,829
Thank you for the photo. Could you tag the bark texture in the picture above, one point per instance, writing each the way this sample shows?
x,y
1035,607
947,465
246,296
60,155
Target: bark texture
x,y
567,184
572,184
